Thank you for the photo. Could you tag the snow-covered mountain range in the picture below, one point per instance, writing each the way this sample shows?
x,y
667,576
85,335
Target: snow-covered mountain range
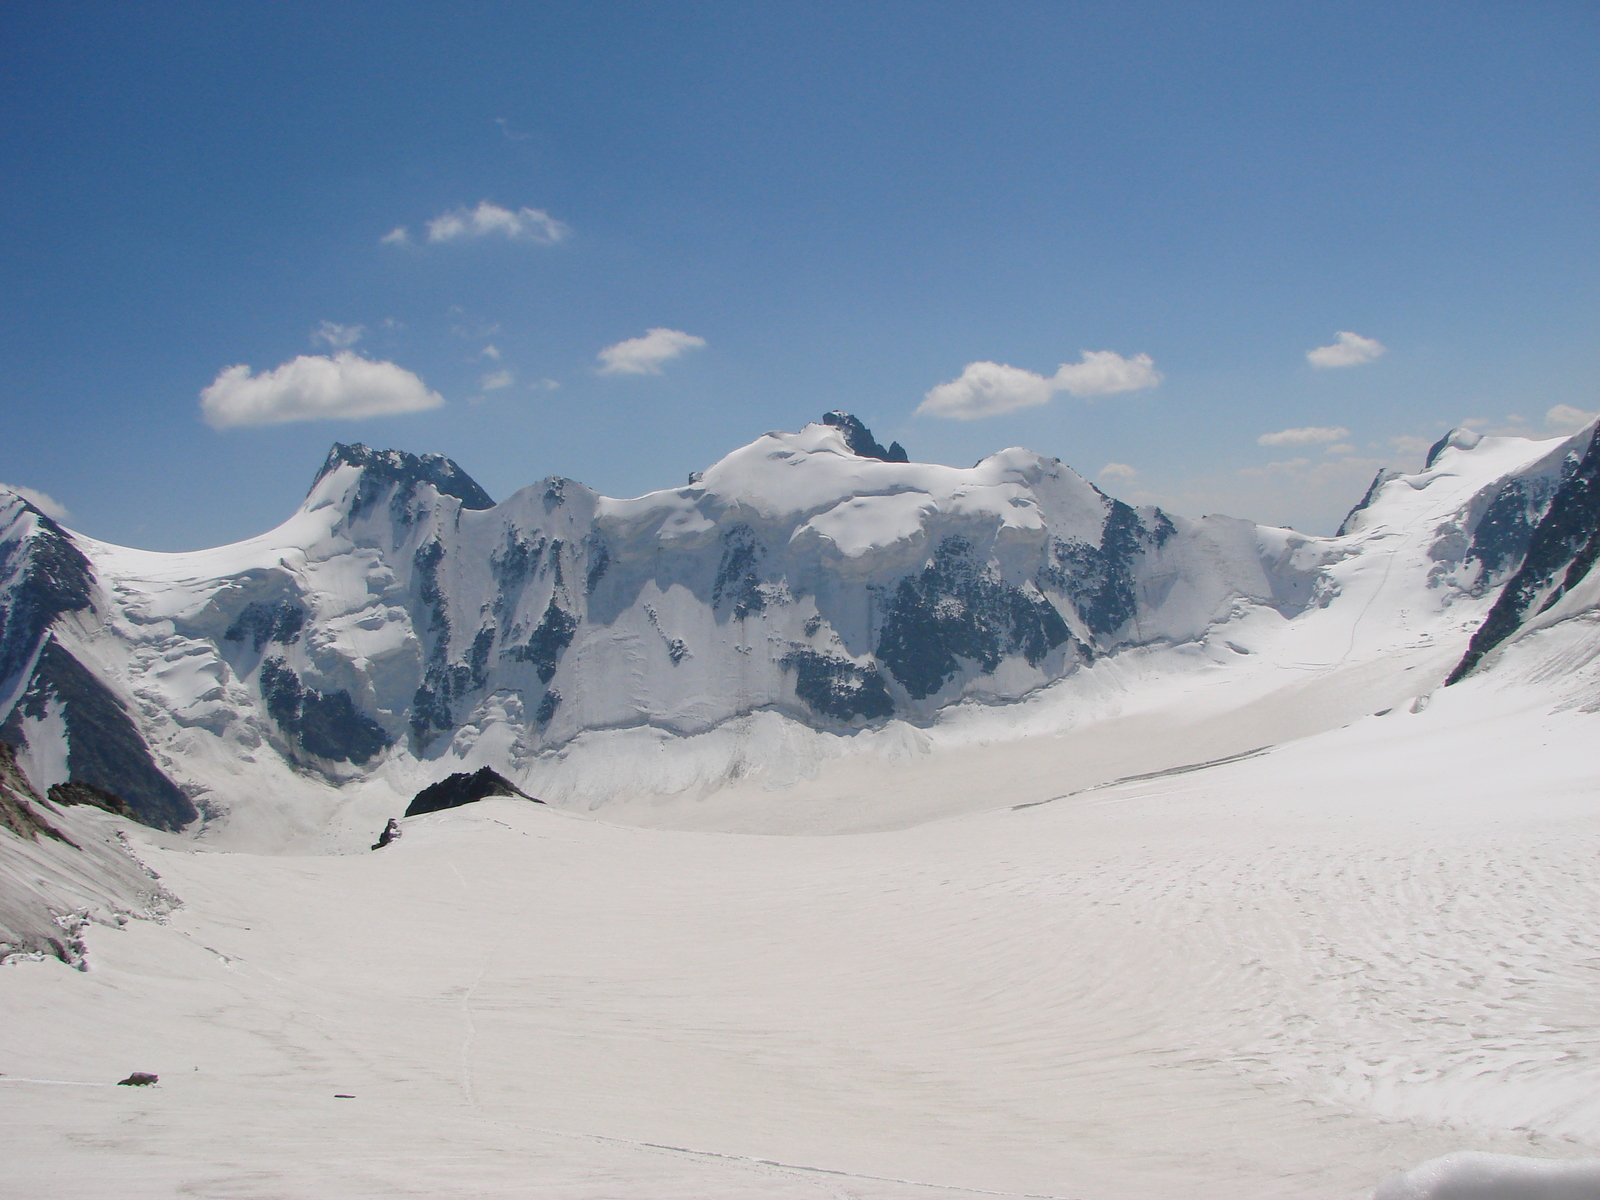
x,y
401,625
1188,856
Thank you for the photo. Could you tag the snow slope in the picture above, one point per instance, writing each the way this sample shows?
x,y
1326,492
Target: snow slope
x,y
1289,975
914,831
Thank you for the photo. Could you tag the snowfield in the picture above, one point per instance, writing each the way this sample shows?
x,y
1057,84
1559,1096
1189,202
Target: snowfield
x,y
1290,975
1221,894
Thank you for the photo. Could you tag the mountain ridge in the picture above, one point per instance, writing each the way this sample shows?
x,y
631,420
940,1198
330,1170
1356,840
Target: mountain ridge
x,y
402,625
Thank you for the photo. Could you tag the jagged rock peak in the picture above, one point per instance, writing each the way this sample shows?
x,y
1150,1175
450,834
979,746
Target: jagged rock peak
x,y
860,440
397,466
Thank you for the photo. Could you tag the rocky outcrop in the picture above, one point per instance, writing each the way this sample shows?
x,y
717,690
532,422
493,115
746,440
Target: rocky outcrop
x,y
105,747
19,803
1560,552
60,871
860,440
464,788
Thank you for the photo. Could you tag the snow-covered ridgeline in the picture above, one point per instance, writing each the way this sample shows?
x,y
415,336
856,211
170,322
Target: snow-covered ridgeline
x,y
401,626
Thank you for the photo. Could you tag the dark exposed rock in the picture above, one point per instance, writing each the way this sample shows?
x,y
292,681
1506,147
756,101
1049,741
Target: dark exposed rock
x,y
549,639
860,440
1436,449
463,788
837,687
953,609
48,577
548,703
517,560
382,468
390,832
17,800
325,725
1099,580
78,792
1506,527
738,582
267,621
139,1079
104,746
1562,549
599,561
1382,477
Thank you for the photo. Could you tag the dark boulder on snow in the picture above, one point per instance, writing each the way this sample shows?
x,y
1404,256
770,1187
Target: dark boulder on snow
x,y
390,832
139,1079
462,788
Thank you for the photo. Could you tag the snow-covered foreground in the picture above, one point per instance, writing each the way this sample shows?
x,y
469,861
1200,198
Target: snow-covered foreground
x,y
1291,975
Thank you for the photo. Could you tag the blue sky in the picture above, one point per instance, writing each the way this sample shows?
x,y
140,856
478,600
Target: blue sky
x,y
821,205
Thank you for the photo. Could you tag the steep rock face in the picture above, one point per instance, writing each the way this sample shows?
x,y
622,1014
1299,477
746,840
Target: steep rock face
x,y
43,576
1556,539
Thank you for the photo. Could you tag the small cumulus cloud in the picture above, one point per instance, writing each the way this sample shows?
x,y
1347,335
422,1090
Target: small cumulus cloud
x,y
398,236
43,501
498,379
545,385
491,352
1339,448
1350,350
1115,472
340,337
490,220
644,355
1307,435
1567,418
314,388
988,389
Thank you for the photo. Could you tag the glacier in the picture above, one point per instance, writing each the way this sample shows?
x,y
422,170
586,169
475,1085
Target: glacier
x,y
909,830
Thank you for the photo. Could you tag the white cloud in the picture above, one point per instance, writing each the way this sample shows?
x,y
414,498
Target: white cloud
x,y
313,388
1350,350
988,389
1112,472
340,337
524,225
498,379
1565,417
1105,372
1339,448
491,352
644,355
548,385
43,501
1309,435
398,236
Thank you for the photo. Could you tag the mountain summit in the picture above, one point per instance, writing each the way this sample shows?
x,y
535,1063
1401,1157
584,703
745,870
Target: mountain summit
x,y
402,626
